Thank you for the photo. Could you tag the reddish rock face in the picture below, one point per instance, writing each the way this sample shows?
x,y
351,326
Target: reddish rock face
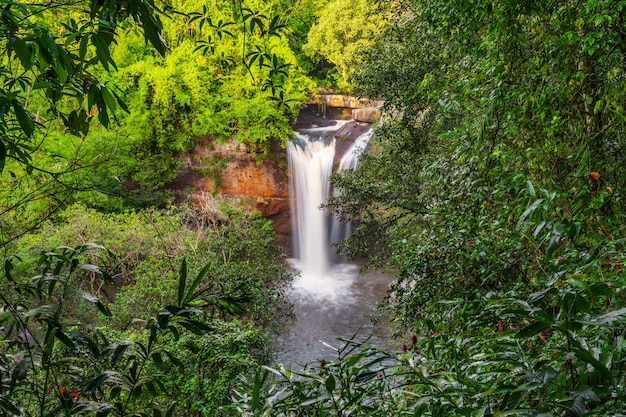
x,y
246,177
265,184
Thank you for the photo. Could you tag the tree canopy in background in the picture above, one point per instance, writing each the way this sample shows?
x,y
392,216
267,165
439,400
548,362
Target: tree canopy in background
x,y
344,31
53,49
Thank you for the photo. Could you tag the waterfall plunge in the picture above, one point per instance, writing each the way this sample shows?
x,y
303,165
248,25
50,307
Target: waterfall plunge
x,y
331,298
311,164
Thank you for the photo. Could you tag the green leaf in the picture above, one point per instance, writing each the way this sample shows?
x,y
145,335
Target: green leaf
x,y
151,29
201,275
163,319
151,387
24,119
259,380
330,383
174,359
182,282
136,392
108,98
600,289
8,407
102,50
195,326
365,376
157,358
541,315
85,340
153,337
63,338
587,357
542,226
95,300
115,392
121,102
540,295
118,353
82,49
528,211
24,52
555,239
606,318
532,330
49,340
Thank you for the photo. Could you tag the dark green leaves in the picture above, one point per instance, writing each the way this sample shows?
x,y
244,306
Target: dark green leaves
x,y
59,64
96,382
3,155
533,330
24,119
24,52
102,51
96,301
151,25
255,20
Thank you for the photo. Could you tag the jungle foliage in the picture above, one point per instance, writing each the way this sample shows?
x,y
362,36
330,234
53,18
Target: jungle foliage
x,y
160,321
495,190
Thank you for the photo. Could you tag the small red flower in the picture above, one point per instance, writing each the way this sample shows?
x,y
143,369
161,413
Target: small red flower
x,y
595,175
414,338
404,348
437,335
63,390
322,363
75,394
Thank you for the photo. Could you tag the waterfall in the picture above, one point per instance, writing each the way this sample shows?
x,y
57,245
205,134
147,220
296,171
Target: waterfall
x,y
311,161
331,298
350,160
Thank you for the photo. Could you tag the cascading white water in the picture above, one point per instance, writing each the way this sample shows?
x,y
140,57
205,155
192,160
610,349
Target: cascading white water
x,y
330,300
350,160
311,163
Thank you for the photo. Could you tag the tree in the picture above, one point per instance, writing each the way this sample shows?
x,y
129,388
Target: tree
x,y
50,53
228,74
344,30
54,56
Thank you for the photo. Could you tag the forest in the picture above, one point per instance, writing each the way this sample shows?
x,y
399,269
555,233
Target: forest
x,y
493,192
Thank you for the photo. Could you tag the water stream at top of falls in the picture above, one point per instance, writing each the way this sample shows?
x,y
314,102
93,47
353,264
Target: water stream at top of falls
x,y
331,299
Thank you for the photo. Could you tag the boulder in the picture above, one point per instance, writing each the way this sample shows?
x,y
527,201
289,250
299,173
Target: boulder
x,y
338,100
367,114
351,131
